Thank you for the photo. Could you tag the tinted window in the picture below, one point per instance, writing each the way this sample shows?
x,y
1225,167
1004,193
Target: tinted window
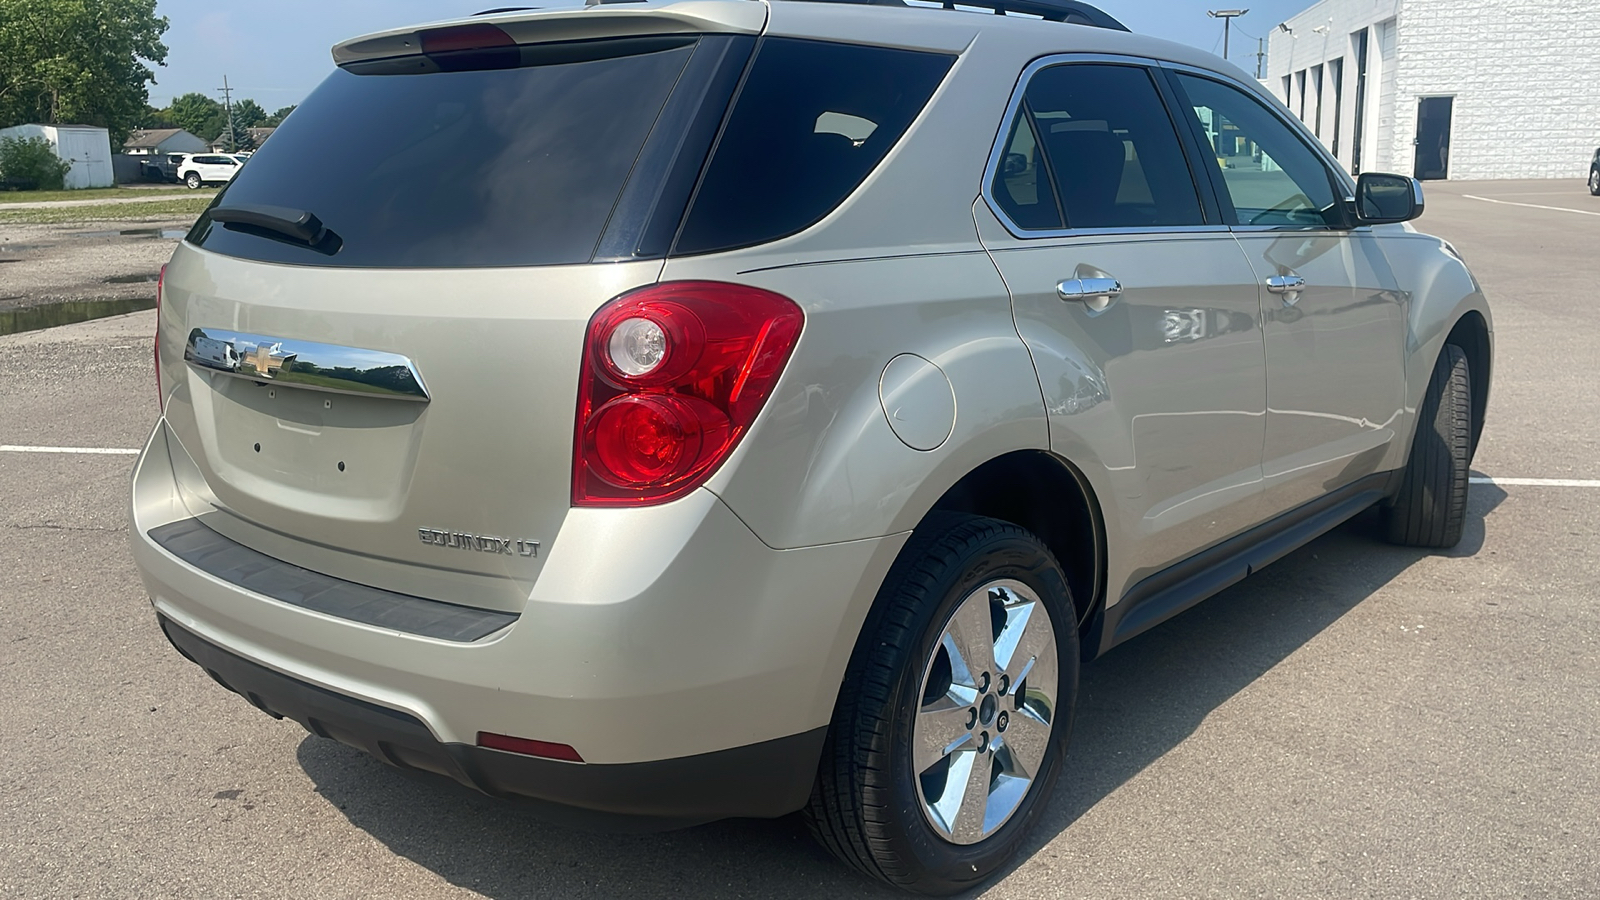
x,y
1022,185
812,120
1272,177
512,166
1110,149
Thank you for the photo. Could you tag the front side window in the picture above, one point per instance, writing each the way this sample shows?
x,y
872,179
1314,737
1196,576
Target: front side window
x,y
1092,146
1272,177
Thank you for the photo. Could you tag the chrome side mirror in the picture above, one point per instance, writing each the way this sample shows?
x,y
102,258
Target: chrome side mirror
x,y
1383,199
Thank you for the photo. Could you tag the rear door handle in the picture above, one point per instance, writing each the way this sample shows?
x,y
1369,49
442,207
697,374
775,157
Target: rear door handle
x,y
1285,284
1089,288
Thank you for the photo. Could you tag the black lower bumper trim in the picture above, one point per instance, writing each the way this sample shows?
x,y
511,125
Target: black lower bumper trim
x,y
191,541
764,780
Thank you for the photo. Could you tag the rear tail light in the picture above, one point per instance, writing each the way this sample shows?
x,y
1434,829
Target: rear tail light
x,y
161,281
673,375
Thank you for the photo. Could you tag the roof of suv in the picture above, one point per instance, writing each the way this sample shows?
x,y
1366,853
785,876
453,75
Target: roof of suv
x,y
885,22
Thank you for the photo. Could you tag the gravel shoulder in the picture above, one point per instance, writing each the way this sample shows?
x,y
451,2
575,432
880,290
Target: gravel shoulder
x,y
85,260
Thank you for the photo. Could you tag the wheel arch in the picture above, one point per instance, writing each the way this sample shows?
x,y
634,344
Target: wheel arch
x,y
1447,305
1471,334
1050,497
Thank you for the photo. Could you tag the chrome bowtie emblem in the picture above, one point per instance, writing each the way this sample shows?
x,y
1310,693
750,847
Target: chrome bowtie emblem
x,y
266,359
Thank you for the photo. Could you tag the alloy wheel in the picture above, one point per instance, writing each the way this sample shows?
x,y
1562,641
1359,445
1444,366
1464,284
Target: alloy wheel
x,y
986,712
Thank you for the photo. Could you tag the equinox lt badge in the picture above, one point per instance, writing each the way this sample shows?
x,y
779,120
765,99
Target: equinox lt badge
x,y
483,543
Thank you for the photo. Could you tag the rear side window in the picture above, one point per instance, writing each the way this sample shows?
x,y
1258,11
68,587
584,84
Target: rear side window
x,y
1093,147
506,166
812,121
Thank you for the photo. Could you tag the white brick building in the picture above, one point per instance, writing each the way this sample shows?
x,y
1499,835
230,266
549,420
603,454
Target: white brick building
x,y
1462,89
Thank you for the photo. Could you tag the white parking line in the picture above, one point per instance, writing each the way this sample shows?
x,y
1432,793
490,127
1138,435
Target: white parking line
x,y
1581,212
1538,482
102,451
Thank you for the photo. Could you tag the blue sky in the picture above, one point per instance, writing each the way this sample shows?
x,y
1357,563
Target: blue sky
x,y
276,52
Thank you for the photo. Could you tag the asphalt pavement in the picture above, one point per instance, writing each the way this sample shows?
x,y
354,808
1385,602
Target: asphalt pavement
x,y
1355,721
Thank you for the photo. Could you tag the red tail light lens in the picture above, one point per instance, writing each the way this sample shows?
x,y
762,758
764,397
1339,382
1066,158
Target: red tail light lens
x,y
673,376
161,400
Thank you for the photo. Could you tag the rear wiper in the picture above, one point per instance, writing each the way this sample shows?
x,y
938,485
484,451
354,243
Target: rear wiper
x,y
299,224
280,223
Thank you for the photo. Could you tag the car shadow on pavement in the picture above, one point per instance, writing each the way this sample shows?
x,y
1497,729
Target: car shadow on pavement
x,y
1145,697
1135,705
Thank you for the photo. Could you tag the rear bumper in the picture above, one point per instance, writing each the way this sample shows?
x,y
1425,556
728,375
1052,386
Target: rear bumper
x,y
663,644
763,780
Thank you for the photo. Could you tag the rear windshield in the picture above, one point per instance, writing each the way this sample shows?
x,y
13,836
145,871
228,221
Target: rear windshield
x,y
500,167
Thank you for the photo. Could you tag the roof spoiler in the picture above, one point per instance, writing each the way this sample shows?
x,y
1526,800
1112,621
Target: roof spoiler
x,y
516,26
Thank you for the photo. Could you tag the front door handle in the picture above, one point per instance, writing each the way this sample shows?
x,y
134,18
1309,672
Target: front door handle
x,y
1089,288
1285,284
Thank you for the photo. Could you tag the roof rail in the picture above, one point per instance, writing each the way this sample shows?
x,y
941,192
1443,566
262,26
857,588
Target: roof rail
x,y
1075,12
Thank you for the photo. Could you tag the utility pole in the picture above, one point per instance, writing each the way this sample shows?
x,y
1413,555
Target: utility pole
x,y
227,106
1261,55
1227,16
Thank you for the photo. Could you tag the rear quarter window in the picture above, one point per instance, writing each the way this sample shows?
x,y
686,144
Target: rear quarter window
x,y
812,120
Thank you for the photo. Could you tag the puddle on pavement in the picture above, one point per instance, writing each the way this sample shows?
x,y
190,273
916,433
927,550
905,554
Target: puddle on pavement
x,y
148,278
33,318
171,234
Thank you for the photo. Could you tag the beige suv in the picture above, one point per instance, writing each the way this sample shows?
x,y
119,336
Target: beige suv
x,y
730,408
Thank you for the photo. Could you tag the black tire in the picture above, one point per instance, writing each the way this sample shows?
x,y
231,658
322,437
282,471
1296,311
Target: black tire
x,y
1431,505
193,181
1594,182
866,807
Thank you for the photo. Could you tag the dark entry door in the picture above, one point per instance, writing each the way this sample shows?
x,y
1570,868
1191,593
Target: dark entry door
x,y
1433,138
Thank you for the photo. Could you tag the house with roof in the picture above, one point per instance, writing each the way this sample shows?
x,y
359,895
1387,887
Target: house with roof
x,y
250,138
157,141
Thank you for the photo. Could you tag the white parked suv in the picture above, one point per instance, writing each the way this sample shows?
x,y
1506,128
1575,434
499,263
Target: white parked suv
x,y
731,407
209,168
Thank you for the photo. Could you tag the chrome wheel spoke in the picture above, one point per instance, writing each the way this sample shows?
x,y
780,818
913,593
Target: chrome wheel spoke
x,y
970,640
1025,637
943,727
1024,743
986,711
972,796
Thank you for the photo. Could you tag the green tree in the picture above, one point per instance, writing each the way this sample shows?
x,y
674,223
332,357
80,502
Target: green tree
x,y
35,160
276,119
197,114
153,118
78,61
248,114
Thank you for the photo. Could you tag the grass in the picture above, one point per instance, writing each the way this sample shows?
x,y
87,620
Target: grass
x,y
187,207
93,194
